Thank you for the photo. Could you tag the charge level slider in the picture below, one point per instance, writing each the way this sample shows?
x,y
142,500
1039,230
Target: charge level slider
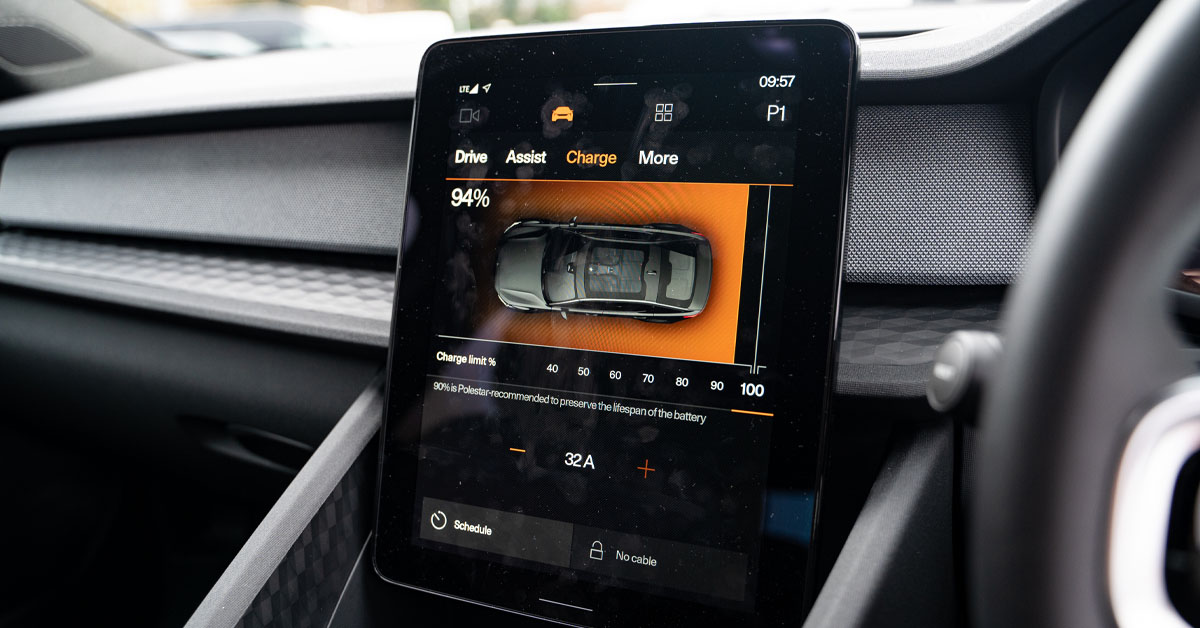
x,y
752,412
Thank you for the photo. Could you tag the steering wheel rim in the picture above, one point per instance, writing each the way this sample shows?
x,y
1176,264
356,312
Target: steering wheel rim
x,y
1089,341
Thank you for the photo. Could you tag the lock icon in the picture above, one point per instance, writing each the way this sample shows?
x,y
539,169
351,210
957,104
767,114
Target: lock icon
x,y
597,552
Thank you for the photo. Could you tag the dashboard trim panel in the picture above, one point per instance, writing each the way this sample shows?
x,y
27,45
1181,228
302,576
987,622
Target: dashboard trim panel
x,y
286,293
886,350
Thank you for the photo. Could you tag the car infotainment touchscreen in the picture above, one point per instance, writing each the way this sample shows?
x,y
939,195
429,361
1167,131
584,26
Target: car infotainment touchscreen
x,y
614,320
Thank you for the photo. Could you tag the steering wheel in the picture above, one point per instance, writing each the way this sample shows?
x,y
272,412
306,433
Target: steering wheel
x,y
1096,405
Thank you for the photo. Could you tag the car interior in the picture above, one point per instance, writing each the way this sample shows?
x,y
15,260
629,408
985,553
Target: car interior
x,y
262,362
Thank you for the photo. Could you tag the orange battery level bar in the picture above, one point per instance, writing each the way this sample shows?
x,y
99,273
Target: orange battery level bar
x,y
752,412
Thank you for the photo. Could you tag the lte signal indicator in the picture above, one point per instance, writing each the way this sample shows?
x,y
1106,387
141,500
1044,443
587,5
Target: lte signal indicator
x,y
473,89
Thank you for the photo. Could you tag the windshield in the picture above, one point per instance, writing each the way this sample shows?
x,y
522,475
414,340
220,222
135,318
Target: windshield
x,y
224,28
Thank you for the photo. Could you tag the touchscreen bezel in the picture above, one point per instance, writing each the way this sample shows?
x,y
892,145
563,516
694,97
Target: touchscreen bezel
x,y
812,294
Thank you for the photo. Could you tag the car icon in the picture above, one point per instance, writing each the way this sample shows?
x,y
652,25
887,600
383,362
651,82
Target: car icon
x,y
562,113
658,273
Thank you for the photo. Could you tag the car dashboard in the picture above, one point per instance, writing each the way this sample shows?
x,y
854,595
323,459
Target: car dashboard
x,y
204,255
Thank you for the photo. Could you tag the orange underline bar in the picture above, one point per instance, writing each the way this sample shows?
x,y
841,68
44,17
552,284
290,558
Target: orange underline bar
x,y
752,412
520,451
777,185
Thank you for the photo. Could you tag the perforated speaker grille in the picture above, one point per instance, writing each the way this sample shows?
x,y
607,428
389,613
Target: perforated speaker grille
x,y
940,195
337,187
28,45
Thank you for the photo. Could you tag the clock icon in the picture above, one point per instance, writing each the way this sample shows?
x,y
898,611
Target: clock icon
x,y
438,520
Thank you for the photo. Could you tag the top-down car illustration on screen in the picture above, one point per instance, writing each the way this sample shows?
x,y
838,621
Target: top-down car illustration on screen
x,y
658,273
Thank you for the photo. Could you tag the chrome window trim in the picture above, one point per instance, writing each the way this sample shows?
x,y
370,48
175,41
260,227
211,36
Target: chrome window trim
x,y
681,310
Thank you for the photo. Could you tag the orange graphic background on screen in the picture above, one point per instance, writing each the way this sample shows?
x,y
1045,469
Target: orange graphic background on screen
x,y
716,210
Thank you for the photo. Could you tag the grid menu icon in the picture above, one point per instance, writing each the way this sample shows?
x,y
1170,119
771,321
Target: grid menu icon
x,y
664,111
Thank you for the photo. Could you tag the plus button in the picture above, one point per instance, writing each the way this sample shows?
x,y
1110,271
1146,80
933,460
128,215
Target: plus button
x,y
645,469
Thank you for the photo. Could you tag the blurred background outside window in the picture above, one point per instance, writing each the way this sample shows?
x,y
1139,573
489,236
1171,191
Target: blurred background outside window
x,y
223,28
